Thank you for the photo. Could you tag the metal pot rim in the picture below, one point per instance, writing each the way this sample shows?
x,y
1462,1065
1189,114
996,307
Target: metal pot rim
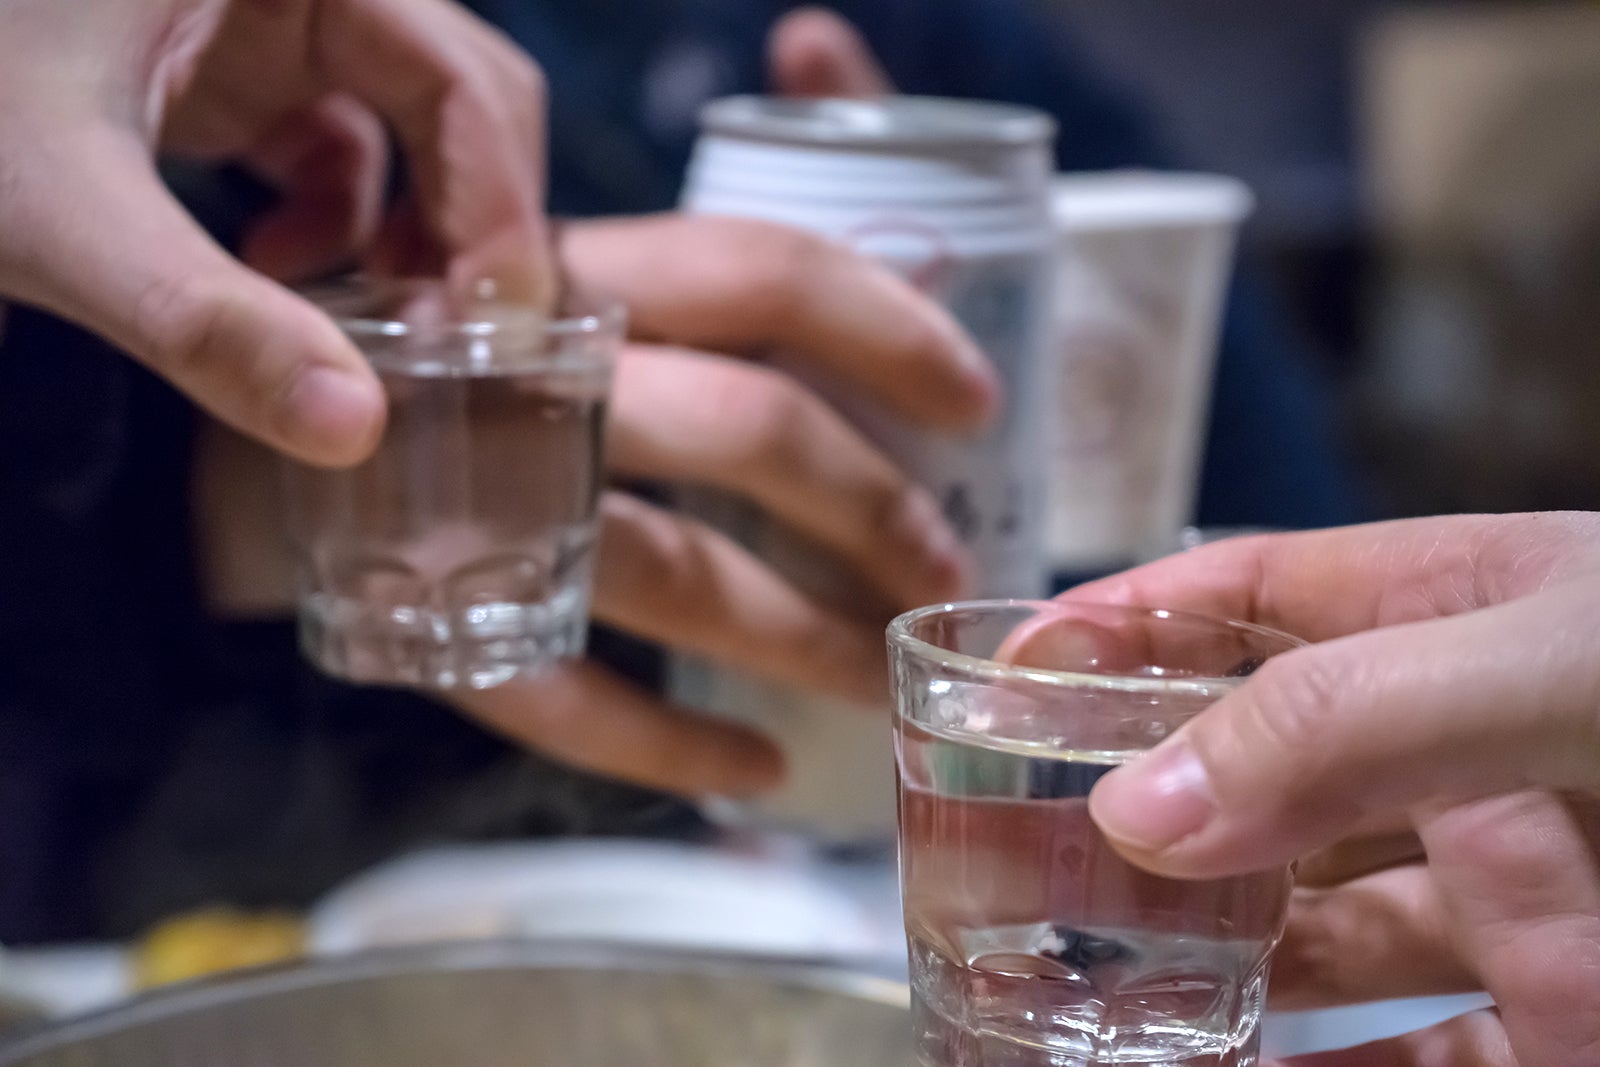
x,y
820,975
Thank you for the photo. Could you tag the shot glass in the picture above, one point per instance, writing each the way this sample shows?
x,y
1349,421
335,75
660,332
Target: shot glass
x,y
459,555
1032,943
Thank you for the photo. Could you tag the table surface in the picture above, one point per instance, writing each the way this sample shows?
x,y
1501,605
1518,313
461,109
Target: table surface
x,y
859,891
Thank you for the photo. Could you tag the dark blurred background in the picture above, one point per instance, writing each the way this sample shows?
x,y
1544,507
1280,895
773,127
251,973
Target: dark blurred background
x,y
1429,217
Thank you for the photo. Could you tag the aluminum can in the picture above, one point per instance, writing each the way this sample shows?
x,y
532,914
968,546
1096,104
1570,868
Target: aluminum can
x,y
955,197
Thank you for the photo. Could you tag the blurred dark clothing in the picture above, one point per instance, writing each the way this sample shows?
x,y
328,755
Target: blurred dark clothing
x,y
153,758
628,78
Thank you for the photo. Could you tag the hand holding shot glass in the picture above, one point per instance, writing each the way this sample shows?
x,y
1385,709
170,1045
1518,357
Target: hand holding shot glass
x,y
1033,944
458,555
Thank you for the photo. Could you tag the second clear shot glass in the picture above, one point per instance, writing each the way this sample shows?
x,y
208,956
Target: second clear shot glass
x,y
1033,943
459,554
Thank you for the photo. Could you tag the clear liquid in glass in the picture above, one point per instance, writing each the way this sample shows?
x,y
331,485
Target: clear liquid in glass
x,y
459,554
1034,945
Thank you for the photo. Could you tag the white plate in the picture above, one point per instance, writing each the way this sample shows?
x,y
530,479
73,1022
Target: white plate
x,y
619,891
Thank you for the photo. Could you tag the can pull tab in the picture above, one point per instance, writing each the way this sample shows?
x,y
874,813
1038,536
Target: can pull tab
x,y
917,250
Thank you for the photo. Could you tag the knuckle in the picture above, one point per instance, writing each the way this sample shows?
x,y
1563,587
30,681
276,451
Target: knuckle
x,y
427,89
517,71
181,325
647,561
524,77
778,267
450,92
475,90
1522,553
769,419
1295,698
1320,940
1509,836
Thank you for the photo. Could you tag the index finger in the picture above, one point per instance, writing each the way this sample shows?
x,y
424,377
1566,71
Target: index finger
x,y
741,287
1329,583
468,106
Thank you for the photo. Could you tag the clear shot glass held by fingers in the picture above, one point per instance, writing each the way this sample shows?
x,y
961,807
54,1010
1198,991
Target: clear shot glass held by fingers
x,y
459,554
1033,944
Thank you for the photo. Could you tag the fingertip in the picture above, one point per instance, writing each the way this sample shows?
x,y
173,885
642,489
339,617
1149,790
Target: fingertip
x,y
934,565
815,52
985,395
801,57
332,416
975,393
964,404
1056,642
944,380
1149,806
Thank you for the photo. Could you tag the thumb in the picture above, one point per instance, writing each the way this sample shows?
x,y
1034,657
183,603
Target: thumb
x,y
1323,737
94,236
814,52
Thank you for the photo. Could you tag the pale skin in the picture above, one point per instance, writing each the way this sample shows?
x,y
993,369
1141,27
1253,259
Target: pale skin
x,y
1434,757
300,91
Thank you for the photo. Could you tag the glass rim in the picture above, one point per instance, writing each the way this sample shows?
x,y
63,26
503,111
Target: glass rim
x,y
344,299
901,636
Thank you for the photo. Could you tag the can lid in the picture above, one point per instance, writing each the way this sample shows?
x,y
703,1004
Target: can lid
x,y
1122,199
893,121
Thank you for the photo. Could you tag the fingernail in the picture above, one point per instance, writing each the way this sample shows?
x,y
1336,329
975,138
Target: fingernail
x,y
331,415
1053,644
1155,801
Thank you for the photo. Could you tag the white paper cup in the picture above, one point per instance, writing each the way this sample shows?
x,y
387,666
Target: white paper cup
x,y
1143,268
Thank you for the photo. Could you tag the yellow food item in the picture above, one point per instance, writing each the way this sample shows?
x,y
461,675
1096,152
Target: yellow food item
x,y
212,941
